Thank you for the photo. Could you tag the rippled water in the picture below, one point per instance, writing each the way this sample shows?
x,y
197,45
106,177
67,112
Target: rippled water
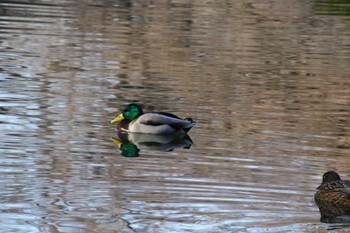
x,y
266,81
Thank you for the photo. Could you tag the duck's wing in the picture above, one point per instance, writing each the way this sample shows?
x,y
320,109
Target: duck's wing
x,y
168,114
157,119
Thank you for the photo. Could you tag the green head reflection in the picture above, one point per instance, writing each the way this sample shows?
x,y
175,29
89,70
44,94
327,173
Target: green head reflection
x,y
127,149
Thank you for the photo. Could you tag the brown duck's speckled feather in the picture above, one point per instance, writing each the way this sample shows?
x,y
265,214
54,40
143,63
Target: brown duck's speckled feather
x,y
335,184
333,196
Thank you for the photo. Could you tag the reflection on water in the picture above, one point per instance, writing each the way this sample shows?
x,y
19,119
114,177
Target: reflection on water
x,y
337,7
266,80
130,144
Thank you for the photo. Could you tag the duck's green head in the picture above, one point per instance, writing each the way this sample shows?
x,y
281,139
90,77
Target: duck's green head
x,y
131,112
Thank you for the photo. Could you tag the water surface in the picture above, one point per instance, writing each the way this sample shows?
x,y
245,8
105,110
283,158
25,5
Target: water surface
x,y
267,83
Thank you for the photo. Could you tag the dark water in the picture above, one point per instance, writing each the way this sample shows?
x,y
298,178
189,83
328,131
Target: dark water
x,y
267,82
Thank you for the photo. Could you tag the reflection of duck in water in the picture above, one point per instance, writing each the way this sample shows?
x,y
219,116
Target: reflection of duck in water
x,y
130,144
333,196
134,120
128,149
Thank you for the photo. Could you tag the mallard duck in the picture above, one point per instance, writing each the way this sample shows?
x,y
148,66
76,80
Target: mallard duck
x,y
134,120
333,195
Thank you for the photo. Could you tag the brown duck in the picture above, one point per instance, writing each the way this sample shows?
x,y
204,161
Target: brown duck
x,y
333,195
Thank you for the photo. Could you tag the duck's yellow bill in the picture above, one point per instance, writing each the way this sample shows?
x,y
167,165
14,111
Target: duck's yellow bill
x,y
118,118
116,141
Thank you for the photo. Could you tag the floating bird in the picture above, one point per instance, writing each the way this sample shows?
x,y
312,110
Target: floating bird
x,y
134,120
333,195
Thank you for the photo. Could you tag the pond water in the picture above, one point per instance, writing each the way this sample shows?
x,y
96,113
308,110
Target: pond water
x,y
267,82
